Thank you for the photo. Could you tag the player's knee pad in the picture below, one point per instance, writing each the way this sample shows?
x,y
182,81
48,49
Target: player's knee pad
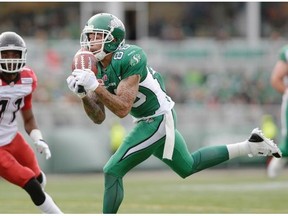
x,y
33,188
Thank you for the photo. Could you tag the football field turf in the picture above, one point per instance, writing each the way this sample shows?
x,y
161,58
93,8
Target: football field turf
x,y
211,191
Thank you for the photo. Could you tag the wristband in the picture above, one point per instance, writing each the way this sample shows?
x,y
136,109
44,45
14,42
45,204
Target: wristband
x,y
36,135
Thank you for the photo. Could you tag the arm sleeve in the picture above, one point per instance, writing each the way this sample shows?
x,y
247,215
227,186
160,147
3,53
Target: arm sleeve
x,y
27,102
28,98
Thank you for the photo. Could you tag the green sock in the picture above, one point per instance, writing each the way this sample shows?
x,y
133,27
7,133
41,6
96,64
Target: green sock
x,y
113,194
208,157
284,148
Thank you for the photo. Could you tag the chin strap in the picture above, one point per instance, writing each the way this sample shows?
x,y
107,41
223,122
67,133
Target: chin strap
x,y
101,55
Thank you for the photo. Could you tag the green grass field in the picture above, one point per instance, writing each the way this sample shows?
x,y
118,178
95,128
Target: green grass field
x,y
211,191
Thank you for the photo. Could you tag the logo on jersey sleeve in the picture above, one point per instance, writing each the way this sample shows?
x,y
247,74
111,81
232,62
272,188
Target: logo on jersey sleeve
x,y
28,80
135,60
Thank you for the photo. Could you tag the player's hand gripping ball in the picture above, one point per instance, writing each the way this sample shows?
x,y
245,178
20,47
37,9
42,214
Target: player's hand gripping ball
x,y
85,60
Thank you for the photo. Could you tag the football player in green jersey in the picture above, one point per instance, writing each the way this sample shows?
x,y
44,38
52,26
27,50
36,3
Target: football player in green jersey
x,y
278,82
126,84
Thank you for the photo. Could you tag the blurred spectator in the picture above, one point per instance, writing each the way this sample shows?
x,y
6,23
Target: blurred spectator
x,y
57,20
175,87
172,32
269,127
117,134
53,60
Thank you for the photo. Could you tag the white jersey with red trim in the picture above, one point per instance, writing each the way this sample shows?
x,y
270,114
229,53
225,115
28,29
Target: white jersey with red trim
x,y
14,97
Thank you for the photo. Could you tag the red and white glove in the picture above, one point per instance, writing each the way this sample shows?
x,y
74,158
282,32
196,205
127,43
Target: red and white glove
x,y
85,78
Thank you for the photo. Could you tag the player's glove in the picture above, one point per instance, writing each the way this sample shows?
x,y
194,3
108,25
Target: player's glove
x,y
40,144
76,89
42,147
86,78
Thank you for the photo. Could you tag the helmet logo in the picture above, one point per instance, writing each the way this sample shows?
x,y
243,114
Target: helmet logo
x,y
115,23
88,27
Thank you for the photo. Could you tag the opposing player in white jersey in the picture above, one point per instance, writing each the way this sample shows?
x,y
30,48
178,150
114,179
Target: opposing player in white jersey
x,y
130,85
18,163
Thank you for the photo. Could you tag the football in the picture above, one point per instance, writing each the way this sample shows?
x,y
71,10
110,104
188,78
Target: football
x,y
85,60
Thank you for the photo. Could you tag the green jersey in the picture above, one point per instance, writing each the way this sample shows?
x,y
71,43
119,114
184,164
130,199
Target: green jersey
x,y
151,99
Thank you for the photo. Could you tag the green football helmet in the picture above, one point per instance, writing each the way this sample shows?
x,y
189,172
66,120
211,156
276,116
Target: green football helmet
x,y
112,32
